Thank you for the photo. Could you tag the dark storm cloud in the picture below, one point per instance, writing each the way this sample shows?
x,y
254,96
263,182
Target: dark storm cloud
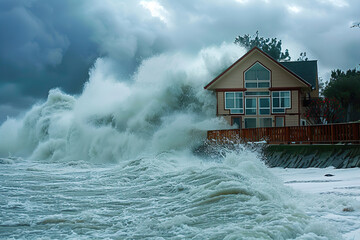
x,y
50,43
47,43
323,28
223,21
40,50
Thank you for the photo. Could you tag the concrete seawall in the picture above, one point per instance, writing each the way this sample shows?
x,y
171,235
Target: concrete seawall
x,y
304,156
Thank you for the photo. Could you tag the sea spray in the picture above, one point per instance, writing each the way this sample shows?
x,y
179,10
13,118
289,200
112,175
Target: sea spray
x,y
116,162
162,107
171,195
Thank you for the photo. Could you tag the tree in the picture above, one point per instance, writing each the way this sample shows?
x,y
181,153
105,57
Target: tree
x,y
270,46
324,111
357,24
302,57
345,88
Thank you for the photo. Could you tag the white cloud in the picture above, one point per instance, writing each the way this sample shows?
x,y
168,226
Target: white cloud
x,y
156,10
242,1
50,33
336,3
294,9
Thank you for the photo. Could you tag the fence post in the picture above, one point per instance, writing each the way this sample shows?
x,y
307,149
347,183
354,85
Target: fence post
x,y
309,134
287,134
356,132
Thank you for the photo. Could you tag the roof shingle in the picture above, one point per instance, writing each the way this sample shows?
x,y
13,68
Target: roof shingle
x,y
307,70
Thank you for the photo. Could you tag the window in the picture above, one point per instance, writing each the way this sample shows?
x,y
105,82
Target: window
x,y
234,102
264,106
280,101
279,121
257,93
236,121
250,105
250,122
265,122
257,77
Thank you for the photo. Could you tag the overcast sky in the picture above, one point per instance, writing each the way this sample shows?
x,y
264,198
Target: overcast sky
x,y
51,43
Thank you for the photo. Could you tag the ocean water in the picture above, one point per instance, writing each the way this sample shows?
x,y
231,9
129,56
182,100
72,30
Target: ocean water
x,y
119,161
168,196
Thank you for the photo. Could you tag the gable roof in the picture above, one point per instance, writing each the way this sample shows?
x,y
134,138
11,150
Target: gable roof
x,y
307,70
245,55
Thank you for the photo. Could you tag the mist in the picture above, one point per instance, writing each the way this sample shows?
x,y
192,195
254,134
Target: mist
x,y
163,107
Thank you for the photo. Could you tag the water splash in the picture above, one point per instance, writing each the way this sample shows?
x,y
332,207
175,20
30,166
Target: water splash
x,y
148,125
162,107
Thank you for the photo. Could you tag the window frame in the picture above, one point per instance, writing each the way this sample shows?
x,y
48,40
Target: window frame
x,y
257,81
283,121
264,108
271,120
252,108
250,118
240,108
257,93
280,102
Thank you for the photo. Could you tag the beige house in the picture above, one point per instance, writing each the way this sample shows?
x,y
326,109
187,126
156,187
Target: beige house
x,y
258,91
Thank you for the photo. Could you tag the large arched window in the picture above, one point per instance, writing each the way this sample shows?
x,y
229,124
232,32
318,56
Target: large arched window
x,y
257,77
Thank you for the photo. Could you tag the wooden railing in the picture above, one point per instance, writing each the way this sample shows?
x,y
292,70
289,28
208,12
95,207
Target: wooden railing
x,y
316,134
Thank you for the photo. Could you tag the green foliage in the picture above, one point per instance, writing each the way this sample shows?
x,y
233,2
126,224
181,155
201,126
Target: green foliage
x,y
345,87
302,57
324,111
270,46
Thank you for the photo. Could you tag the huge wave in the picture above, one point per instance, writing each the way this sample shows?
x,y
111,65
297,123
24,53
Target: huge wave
x,y
162,107
149,125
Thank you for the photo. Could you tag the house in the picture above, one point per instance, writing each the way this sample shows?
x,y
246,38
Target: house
x,y
258,91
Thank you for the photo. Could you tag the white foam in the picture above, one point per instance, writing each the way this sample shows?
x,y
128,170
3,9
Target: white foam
x,y
163,106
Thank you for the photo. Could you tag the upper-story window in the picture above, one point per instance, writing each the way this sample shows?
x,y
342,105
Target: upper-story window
x,y
257,77
280,101
234,102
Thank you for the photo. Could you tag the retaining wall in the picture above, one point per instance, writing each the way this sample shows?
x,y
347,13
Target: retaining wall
x,y
304,156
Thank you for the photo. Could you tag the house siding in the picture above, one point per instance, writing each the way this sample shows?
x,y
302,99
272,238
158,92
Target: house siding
x,y
291,120
232,80
227,118
221,104
314,93
294,102
302,107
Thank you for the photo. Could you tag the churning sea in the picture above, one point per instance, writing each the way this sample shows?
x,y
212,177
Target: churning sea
x,y
168,196
117,162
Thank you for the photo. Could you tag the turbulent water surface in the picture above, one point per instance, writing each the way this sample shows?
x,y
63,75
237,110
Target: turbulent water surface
x,y
118,162
168,196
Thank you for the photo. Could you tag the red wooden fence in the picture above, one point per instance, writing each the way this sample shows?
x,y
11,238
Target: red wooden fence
x,y
317,134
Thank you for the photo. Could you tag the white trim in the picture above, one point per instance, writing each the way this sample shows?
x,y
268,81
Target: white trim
x,y
272,101
257,81
242,105
249,95
263,107
256,104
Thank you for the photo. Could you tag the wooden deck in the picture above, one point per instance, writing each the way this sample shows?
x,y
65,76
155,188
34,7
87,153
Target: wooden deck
x,y
316,134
